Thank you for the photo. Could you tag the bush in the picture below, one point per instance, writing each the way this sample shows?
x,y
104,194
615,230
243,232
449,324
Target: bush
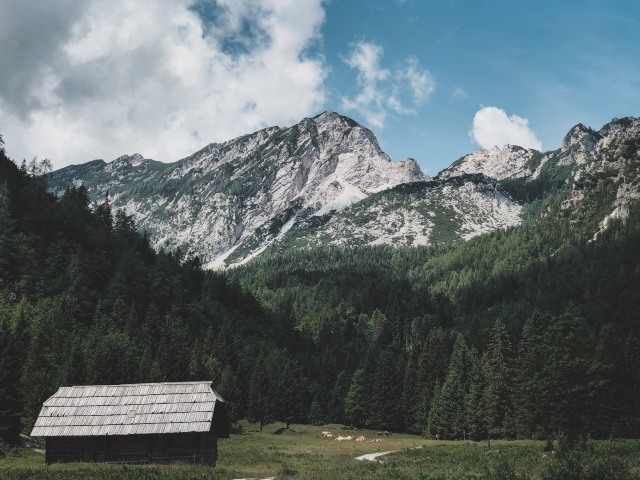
x,y
287,470
579,461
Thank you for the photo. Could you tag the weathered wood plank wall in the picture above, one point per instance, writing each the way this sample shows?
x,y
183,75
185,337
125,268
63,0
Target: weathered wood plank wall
x,y
194,447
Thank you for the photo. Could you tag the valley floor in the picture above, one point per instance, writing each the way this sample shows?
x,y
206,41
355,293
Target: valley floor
x,y
303,453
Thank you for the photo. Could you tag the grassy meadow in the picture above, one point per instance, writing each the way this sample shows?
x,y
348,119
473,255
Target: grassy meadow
x,y
302,453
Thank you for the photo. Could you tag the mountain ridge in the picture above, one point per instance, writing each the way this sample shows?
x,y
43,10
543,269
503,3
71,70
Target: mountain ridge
x,y
214,199
306,185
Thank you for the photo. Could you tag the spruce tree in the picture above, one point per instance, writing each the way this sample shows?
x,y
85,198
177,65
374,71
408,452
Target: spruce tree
x,y
8,246
570,385
528,406
356,403
448,412
287,395
385,404
11,402
432,370
410,393
229,388
497,394
338,397
148,369
476,428
259,408
632,357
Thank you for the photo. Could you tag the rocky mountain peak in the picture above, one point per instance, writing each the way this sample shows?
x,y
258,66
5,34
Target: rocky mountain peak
x,y
239,196
575,135
579,147
510,161
616,124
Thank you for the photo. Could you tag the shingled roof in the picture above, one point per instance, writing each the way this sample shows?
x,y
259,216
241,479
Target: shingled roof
x,y
145,408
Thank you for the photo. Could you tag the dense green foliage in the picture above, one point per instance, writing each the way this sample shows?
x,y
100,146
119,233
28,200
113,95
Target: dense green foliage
x,y
84,299
523,333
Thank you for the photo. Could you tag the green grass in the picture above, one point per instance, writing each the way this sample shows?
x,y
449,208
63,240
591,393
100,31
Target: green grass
x,y
302,453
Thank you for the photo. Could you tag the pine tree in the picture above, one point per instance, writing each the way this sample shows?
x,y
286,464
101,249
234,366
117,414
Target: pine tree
x,y
384,410
410,393
287,395
632,357
569,383
615,404
437,424
338,397
528,407
229,388
260,407
149,370
497,394
356,403
474,408
8,246
448,412
432,370
11,401
51,328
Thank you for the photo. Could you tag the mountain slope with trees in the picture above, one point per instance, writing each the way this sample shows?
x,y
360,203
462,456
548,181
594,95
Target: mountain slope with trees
x,y
528,332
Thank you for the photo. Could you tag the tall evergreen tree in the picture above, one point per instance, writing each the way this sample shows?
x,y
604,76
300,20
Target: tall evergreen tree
x,y
411,395
475,422
11,402
260,408
229,388
447,417
384,410
498,374
528,403
286,399
432,370
356,403
570,380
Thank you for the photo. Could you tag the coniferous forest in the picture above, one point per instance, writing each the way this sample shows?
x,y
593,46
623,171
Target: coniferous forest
x,y
532,332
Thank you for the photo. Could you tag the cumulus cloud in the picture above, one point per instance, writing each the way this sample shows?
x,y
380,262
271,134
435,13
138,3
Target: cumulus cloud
x,y
85,79
492,126
381,91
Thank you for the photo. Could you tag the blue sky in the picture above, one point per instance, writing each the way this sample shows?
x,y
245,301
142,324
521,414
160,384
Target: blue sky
x,y
554,63
434,80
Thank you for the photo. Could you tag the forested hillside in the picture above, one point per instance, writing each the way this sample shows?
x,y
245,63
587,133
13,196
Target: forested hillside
x,y
523,333
526,332
84,299
529,332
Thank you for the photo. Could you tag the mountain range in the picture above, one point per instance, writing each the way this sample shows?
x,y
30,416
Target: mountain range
x,y
326,181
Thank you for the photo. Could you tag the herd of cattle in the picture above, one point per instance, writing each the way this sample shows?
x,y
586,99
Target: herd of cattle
x,y
357,439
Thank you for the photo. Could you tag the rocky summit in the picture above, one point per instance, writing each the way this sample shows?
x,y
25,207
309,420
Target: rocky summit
x,y
326,181
215,201
579,148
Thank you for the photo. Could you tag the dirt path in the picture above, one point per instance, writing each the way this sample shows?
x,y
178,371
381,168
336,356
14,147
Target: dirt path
x,y
372,456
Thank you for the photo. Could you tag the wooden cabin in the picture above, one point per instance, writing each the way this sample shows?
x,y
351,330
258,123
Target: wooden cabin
x,y
157,423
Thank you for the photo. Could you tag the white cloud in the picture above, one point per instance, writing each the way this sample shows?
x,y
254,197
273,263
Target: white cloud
x,y
365,57
492,126
93,79
394,104
421,82
380,91
459,94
